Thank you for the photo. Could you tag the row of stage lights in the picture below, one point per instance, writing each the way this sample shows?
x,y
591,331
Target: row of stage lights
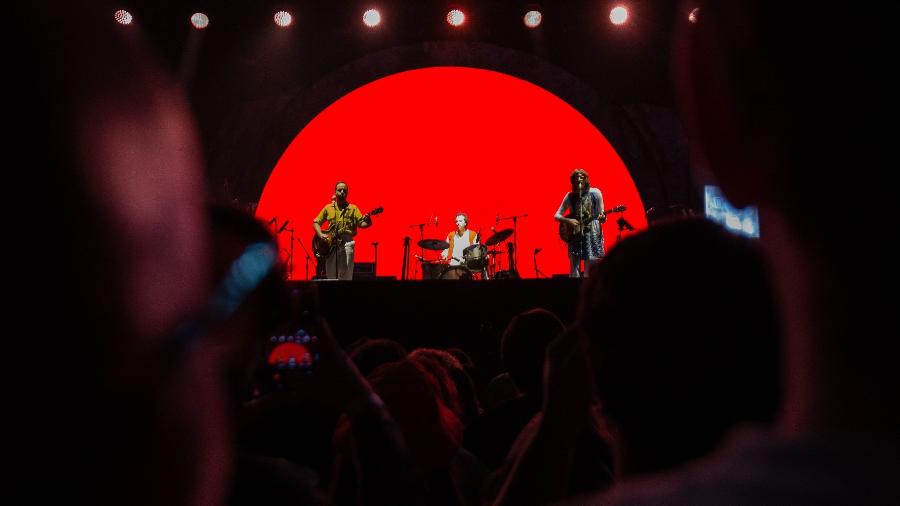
x,y
372,18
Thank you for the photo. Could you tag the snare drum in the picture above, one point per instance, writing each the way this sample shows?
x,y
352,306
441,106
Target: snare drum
x,y
475,257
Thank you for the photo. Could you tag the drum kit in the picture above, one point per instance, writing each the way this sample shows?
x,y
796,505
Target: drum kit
x,y
478,260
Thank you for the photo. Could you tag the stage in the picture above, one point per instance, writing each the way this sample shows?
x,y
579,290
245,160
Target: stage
x,y
470,315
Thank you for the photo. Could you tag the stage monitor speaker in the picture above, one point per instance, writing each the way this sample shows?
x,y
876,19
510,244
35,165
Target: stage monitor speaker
x,y
364,270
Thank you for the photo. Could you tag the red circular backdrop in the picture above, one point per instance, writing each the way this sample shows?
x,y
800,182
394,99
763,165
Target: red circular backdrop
x,y
436,141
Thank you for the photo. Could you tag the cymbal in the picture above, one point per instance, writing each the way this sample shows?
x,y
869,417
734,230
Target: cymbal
x,y
498,237
433,244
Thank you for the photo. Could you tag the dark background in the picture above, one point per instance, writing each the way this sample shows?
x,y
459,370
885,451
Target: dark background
x,y
253,86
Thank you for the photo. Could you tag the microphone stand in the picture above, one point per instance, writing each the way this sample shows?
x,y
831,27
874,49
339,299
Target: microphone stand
x,y
308,257
537,272
405,268
375,263
513,260
290,272
623,225
290,275
421,249
580,214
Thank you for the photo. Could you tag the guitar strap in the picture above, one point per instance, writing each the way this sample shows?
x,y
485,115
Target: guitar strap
x,y
337,232
342,213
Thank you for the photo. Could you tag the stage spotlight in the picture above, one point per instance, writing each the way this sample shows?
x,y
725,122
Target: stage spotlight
x,y
123,17
456,17
199,20
619,15
533,19
372,18
692,17
283,19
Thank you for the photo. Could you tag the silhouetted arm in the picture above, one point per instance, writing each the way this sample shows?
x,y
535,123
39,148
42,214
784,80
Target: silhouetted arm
x,y
541,474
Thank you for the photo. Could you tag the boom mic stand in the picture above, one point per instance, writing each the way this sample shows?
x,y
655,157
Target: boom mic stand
x,y
290,275
282,228
421,249
308,257
623,225
537,272
405,268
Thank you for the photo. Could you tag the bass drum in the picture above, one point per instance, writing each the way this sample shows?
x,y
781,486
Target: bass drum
x,y
433,270
506,275
456,272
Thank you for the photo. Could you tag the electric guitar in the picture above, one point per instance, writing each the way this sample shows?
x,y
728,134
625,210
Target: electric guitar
x,y
323,248
569,233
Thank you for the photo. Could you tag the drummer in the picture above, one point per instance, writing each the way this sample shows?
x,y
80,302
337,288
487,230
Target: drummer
x,y
459,240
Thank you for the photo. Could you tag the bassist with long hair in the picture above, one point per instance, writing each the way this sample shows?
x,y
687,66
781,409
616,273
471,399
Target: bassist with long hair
x,y
580,226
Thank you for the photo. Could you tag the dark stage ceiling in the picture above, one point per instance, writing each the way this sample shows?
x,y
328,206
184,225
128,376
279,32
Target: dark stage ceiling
x,y
243,70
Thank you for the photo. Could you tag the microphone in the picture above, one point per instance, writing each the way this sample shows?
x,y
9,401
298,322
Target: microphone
x,y
623,223
435,220
537,250
280,230
272,221
498,220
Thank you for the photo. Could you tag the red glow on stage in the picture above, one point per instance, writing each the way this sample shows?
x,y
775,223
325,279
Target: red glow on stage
x,y
442,140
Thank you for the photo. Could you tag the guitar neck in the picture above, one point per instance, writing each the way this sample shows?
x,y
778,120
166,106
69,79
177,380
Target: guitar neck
x,y
369,214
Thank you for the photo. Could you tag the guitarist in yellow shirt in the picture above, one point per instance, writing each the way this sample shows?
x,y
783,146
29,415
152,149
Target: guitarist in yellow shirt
x,y
335,245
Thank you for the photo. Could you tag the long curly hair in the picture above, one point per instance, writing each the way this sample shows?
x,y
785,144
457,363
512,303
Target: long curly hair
x,y
573,178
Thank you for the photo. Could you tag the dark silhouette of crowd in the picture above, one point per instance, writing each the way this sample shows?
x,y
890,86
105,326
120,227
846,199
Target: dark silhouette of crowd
x,y
165,359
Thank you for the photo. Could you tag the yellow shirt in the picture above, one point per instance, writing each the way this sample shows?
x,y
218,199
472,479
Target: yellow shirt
x,y
342,221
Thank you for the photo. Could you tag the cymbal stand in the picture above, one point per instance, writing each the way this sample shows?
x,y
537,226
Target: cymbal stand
x,y
515,219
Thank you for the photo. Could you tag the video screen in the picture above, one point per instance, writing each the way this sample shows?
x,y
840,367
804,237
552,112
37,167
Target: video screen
x,y
741,221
